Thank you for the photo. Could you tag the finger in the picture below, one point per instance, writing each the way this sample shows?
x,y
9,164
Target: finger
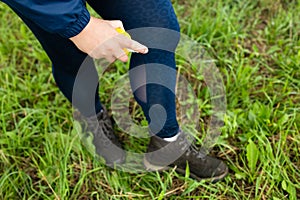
x,y
94,54
97,53
132,45
116,24
110,58
138,47
123,58
121,55
114,49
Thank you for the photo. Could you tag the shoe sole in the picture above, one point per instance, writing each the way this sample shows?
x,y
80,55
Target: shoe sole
x,y
118,162
151,167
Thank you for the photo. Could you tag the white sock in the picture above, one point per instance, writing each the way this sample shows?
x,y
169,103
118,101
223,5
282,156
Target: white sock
x,y
172,139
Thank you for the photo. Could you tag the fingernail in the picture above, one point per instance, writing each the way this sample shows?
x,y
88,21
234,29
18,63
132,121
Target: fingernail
x,y
146,50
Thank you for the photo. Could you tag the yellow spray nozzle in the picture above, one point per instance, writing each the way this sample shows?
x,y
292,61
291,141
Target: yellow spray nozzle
x,y
123,32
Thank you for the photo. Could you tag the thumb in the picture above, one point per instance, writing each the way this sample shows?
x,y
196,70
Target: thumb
x,y
116,24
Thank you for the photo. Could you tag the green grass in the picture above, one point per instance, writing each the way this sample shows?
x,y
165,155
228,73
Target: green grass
x,y
256,45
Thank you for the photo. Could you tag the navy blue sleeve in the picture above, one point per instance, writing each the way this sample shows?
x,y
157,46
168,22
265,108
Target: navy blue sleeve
x,y
64,17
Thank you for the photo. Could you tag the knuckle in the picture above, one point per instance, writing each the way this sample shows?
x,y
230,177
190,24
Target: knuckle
x,y
125,41
104,54
119,21
109,49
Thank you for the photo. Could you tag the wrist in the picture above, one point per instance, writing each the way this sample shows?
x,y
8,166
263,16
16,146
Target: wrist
x,y
75,27
83,31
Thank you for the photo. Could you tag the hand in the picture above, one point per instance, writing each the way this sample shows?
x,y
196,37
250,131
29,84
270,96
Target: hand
x,y
99,39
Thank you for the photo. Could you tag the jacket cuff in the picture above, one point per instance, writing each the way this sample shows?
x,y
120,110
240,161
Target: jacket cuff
x,y
77,26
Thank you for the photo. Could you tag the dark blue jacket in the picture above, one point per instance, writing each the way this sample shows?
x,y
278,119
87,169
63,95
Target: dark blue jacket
x,y
64,17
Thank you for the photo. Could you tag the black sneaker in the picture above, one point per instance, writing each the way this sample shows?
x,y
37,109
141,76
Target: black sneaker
x,y
163,155
105,141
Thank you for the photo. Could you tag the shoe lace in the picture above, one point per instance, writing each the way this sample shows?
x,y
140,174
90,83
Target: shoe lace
x,y
190,148
101,127
105,125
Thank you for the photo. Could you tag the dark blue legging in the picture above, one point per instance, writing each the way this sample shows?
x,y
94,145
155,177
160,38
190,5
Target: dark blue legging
x,y
67,59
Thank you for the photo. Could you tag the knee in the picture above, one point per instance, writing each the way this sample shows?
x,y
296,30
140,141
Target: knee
x,y
164,35
163,17
167,29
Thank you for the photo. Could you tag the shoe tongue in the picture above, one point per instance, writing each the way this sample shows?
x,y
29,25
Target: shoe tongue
x,y
100,114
